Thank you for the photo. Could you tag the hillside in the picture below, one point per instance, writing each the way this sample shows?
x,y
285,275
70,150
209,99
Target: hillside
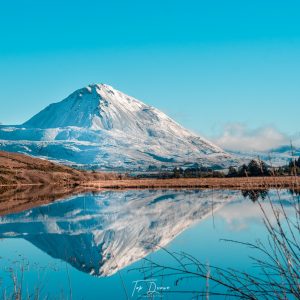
x,y
19,169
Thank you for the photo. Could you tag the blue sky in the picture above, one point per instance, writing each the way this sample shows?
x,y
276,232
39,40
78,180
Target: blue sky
x,y
220,68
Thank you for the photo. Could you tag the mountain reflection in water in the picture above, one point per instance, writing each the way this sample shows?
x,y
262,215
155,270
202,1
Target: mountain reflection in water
x,y
101,233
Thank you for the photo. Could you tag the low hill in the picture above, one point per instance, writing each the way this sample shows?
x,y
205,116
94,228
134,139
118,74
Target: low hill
x,y
20,169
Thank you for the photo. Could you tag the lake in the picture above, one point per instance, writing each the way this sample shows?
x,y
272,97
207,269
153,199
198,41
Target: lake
x,y
102,245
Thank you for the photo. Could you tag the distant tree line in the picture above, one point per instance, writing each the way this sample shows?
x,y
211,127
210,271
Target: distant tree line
x,y
260,168
197,172
254,168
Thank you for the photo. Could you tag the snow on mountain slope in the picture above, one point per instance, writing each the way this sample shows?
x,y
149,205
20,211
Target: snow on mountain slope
x,y
98,125
111,230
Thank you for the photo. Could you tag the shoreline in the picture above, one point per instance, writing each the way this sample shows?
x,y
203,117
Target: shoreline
x,y
177,183
239,183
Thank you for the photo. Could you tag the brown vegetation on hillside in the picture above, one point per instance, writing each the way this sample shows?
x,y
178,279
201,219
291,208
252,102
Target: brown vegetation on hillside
x,y
18,169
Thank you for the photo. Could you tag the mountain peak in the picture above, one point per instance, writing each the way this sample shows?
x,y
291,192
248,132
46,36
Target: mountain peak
x,y
98,107
88,107
101,86
97,87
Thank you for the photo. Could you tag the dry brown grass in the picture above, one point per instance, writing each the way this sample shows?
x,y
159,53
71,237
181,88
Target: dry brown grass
x,y
18,169
245,183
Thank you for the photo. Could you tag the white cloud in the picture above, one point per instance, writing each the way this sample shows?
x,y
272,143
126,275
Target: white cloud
x,y
238,136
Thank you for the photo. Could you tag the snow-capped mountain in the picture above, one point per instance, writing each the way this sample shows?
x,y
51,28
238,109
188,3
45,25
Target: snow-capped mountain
x,y
98,125
108,231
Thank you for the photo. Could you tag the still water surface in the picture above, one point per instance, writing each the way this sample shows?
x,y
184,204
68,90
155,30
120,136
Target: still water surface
x,y
93,246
